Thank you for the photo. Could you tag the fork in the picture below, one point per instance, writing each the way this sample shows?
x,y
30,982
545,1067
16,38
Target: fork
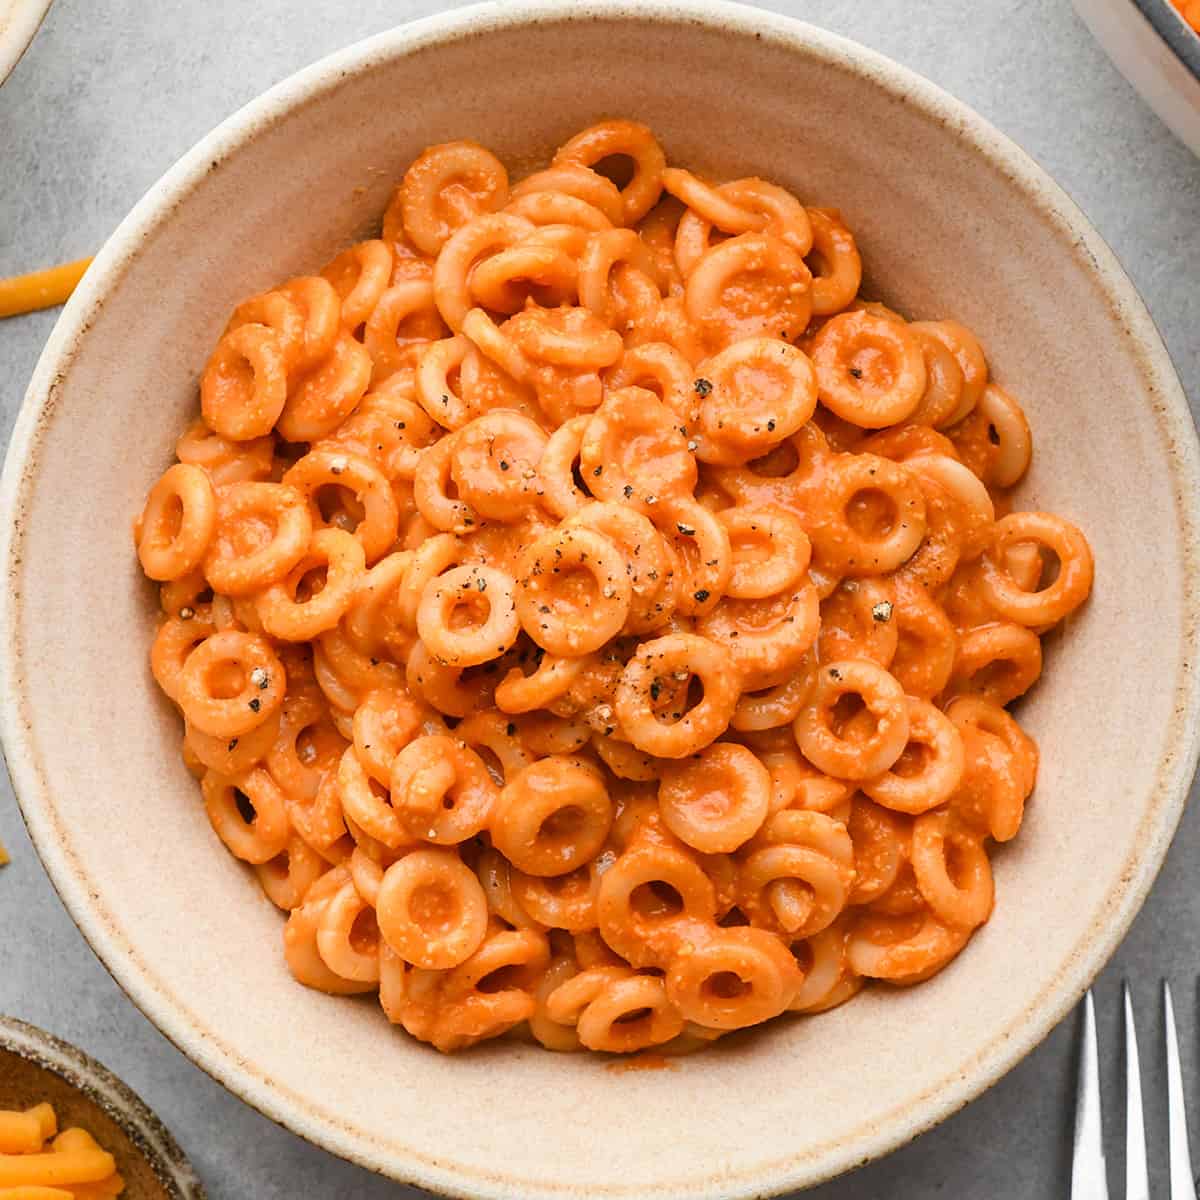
x,y
1089,1180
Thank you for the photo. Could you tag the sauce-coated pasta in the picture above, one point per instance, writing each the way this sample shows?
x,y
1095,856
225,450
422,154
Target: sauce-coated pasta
x,y
590,618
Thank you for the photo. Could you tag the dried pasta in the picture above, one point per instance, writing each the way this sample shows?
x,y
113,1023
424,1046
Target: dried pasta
x,y
592,619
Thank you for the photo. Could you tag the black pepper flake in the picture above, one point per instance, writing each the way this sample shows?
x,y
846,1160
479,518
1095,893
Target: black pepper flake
x,y
510,729
255,704
374,662
702,595
628,490
232,745
686,530
993,435
702,387
445,398
503,465
598,471
655,690
401,425
481,584
771,425
834,673
856,372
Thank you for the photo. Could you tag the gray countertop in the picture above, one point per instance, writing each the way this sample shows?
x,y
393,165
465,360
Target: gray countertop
x,y
101,106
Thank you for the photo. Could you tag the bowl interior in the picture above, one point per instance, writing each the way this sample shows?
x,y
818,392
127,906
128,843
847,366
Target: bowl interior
x,y
951,221
35,1067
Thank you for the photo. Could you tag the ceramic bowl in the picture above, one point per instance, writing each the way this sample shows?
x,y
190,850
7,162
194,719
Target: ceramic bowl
x,y
952,219
19,21
35,1066
1158,52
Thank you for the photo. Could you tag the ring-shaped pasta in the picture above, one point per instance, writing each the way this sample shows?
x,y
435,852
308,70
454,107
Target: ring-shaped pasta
x,y
769,551
360,275
445,187
321,309
920,781
761,391
278,312
902,949
975,712
399,327
225,461
494,464
952,870
348,936
995,440
556,468
561,576
857,621
532,270
733,978
650,900
577,182
239,562
177,524
231,683
244,385
962,343
1048,605
650,572
324,468
256,839
839,267
441,790
629,1014
871,518
739,206
552,817
870,371
431,909
638,692
550,679
559,901
766,635
464,590
464,248
752,285
774,706
702,552
384,723
322,399
604,252
716,801
625,138
288,615
286,878
828,979
999,662
943,380
926,643
881,844
865,756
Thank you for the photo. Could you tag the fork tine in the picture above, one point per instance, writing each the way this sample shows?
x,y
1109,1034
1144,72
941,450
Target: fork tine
x,y
1089,1180
1137,1177
1183,1187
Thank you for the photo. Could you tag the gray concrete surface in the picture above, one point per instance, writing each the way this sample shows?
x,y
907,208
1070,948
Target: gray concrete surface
x,y
110,94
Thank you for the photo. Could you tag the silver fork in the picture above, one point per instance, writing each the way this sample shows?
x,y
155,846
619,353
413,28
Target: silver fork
x,y
1089,1180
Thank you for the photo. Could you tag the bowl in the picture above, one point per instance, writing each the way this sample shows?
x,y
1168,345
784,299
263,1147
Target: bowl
x,y
952,218
1155,49
35,1066
19,21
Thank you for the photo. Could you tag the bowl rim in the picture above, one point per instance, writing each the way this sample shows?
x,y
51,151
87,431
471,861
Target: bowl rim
x,y
18,32
139,1122
1167,21
204,1046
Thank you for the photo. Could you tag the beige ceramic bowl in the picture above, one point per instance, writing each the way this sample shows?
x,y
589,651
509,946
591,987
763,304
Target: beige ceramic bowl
x,y
19,21
952,219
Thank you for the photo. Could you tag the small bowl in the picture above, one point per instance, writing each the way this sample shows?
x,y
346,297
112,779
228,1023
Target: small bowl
x,y
1152,45
952,219
35,1066
19,21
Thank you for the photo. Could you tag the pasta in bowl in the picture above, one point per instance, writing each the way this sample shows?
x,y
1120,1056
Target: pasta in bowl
x,y
977,234
592,618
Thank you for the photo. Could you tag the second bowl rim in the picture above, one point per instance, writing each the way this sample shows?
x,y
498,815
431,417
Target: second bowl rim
x,y
168,1012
